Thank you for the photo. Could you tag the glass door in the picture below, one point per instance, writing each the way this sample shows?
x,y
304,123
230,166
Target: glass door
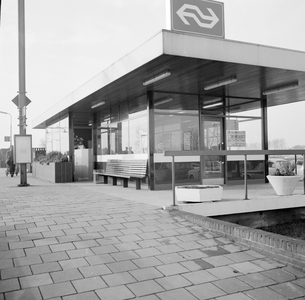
x,y
212,165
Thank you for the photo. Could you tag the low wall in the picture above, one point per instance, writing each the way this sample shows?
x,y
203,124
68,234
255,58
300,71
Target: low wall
x,y
53,172
281,248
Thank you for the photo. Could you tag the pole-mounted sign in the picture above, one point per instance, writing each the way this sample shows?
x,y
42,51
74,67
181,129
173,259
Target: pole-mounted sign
x,y
198,16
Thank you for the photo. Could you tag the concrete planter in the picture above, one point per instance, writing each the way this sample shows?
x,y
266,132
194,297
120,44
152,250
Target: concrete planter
x,y
198,193
54,172
283,185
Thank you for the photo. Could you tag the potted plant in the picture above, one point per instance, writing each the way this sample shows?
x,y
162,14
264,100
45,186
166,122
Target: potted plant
x,y
54,167
198,193
284,180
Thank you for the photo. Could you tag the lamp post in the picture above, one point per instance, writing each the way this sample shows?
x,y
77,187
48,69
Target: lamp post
x,y
6,113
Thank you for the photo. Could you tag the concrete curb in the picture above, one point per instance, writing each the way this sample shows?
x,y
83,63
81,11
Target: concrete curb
x,y
278,247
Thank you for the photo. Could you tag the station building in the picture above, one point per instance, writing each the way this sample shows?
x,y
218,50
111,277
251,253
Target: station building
x,y
178,91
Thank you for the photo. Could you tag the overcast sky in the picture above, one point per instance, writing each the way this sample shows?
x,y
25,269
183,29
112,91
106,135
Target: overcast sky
x,y
70,41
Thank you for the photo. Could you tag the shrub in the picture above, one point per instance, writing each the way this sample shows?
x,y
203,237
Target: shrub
x,y
53,156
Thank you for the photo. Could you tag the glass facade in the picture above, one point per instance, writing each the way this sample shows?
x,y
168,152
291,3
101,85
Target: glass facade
x,y
57,136
176,127
122,131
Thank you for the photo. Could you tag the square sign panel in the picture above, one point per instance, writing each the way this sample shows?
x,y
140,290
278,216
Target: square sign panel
x,y
23,149
197,16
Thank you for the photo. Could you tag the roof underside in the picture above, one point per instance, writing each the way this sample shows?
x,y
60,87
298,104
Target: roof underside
x,y
190,72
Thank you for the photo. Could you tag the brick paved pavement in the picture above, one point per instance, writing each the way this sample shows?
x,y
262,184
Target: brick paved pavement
x,y
67,241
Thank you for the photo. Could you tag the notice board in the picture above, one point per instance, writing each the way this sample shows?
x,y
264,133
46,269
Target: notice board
x,y
23,149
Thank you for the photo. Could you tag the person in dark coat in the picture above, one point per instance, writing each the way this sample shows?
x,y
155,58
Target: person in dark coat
x,y
10,161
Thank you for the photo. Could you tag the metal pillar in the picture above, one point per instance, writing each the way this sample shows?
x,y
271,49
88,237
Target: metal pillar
x,y
22,91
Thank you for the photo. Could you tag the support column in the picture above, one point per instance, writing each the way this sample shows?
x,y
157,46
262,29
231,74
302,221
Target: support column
x,y
151,139
22,90
265,132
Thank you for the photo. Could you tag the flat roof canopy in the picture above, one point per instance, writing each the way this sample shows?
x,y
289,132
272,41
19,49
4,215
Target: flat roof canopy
x,y
194,62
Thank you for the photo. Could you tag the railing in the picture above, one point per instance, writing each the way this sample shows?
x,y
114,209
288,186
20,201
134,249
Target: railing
x,y
244,153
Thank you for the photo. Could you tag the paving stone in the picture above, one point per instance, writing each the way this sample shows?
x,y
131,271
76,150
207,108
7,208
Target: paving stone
x,y
21,245
129,238
62,247
232,285
118,279
115,293
173,282
267,264
28,260
145,288
147,262
178,294
170,258
218,261
289,290
66,275
172,269
149,243
193,254
206,291
73,263
68,238
11,254
223,272
146,274
199,277
237,296
15,272
57,256
25,294
169,249
80,253
89,284
264,293
127,246
86,244
45,241
246,267
294,271
82,296
240,257
31,236
104,249
123,266
124,255
9,285
45,267
257,280
279,275
196,264
97,270
37,250
100,259
57,290
6,263
35,280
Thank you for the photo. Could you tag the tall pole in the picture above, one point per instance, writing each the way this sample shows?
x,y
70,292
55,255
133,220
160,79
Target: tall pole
x,y
6,113
22,91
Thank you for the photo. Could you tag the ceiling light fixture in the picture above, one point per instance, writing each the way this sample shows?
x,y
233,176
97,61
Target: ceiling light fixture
x,y
157,78
163,101
281,89
220,83
98,104
212,105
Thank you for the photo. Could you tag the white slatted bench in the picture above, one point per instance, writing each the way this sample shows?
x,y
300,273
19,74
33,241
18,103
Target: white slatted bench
x,y
123,169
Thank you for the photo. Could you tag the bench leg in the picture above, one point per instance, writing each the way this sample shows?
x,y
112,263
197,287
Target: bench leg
x,y
138,184
114,181
94,178
105,179
125,182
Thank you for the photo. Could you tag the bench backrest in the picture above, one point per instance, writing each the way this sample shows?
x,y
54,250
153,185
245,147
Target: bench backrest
x,y
132,168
